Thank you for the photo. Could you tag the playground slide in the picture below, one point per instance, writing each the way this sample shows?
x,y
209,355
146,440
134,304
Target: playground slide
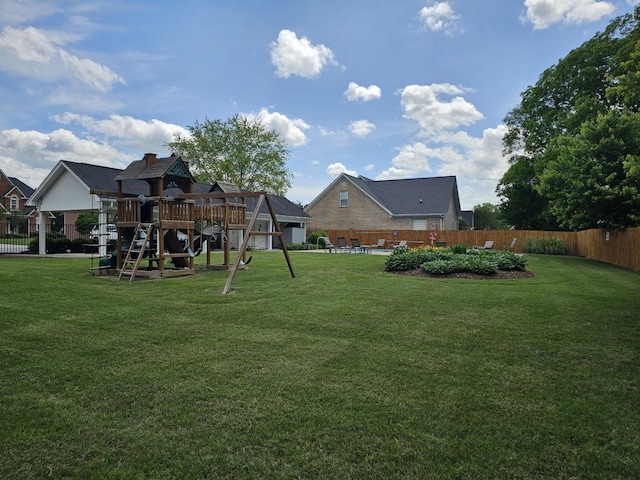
x,y
173,245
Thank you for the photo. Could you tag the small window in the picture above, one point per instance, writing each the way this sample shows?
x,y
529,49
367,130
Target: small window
x,y
344,199
14,202
420,224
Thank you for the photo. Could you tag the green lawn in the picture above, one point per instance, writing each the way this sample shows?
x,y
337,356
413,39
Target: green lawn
x,y
344,372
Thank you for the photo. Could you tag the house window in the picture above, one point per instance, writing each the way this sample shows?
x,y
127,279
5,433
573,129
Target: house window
x,y
14,203
344,199
420,224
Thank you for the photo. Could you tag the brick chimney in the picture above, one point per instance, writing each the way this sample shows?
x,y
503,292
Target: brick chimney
x,y
150,159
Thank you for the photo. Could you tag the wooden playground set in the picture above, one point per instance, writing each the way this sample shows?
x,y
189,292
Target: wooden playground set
x,y
159,235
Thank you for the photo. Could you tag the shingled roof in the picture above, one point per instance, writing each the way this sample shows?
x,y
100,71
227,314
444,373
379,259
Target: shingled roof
x,y
282,206
151,167
103,179
26,190
412,197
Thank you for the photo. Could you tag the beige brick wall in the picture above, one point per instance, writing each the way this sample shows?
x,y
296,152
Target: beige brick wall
x,y
362,213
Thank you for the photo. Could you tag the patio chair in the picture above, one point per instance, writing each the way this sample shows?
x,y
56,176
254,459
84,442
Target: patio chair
x,y
380,244
401,244
342,244
488,245
513,244
359,248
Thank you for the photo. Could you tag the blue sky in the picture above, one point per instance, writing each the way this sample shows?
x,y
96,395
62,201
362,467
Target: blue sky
x,y
416,88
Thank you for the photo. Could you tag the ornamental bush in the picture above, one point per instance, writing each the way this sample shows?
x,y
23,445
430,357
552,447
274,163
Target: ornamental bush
x,y
509,261
546,246
313,238
55,243
482,265
459,248
483,262
439,267
401,260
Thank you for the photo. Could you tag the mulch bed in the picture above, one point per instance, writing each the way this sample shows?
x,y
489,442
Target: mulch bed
x,y
499,275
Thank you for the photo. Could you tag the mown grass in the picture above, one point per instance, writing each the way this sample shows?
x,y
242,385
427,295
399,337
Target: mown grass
x,y
345,371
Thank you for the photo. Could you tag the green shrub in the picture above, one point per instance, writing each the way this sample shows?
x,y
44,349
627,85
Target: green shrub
x,y
55,243
428,255
313,238
297,246
439,267
481,265
75,246
400,261
545,246
483,262
85,222
509,261
459,248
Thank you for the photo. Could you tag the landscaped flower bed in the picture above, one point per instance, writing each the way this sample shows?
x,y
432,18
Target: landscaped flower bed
x,y
443,261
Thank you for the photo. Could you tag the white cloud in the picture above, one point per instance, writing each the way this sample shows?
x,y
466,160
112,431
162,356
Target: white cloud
x,y
361,128
544,13
477,163
135,134
44,150
298,56
439,17
421,103
480,159
411,160
292,130
336,169
356,92
114,142
39,54
633,3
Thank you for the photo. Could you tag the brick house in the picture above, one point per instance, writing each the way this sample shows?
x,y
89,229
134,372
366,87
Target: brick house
x,y
360,203
15,216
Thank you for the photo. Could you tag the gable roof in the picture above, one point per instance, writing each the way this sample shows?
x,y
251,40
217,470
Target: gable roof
x,y
224,187
16,184
151,167
281,206
103,179
99,178
25,189
406,197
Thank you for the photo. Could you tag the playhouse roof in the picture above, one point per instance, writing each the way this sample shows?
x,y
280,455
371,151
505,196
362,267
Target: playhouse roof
x,y
151,167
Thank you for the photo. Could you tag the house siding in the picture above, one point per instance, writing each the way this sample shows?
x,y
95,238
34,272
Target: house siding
x,y
11,193
361,212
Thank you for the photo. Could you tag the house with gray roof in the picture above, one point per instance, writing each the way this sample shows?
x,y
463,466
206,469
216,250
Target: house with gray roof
x,y
73,187
405,204
15,215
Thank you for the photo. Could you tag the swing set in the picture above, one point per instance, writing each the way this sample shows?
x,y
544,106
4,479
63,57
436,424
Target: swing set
x,y
161,229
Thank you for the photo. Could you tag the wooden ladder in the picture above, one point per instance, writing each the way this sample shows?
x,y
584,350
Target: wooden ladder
x,y
141,239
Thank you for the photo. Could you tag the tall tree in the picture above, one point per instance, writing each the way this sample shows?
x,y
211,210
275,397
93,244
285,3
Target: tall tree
x,y
558,112
487,217
239,151
591,178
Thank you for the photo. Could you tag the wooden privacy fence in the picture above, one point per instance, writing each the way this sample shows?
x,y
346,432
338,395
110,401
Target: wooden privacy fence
x,y
619,248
